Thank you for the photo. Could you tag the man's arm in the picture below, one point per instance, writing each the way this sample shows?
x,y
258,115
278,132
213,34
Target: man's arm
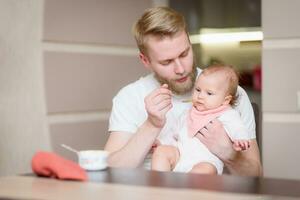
x,y
129,150
245,163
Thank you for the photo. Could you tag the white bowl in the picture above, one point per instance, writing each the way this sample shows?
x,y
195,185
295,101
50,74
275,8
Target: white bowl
x,y
93,159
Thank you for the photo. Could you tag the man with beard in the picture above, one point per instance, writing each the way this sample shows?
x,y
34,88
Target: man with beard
x,y
148,108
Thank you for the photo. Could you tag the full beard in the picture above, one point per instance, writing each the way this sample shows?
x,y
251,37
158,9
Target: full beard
x,y
180,88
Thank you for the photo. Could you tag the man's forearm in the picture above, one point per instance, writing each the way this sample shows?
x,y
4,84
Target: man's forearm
x,y
246,163
244,167
133,153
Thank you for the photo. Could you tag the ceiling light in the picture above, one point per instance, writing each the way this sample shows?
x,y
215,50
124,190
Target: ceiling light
x,y
226,37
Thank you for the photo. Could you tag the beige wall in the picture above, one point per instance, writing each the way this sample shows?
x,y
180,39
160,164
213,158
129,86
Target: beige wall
x,y
281,69
61,63
23,127
89,54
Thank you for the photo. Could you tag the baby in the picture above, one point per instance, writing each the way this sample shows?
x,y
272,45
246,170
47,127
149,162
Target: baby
x,y
213,97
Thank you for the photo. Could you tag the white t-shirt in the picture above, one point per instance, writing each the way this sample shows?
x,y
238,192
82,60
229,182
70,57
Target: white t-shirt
x,y
128,111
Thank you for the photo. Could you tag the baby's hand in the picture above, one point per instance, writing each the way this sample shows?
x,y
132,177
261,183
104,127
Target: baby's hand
x,y
241,145
154,145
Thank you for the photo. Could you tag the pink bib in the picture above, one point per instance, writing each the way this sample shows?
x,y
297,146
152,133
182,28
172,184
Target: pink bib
x,y
196,120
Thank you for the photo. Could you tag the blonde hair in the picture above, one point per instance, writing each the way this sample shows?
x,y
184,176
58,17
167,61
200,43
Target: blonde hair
x,y
159,22
231,76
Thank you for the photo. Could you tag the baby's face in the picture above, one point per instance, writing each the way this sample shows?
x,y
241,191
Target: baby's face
x,y
210,92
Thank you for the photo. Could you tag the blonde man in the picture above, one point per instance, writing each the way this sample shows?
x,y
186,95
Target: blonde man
x,y
148,108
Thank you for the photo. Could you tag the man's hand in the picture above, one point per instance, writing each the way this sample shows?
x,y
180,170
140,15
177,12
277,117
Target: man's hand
x,y
215,138
157,104
246,163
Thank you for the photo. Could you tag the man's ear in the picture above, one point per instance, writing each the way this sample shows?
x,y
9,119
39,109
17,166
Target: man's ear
x,y
227,100
145,60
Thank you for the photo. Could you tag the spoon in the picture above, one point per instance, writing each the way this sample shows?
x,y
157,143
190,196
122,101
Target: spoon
x,y
182,100
186,101
69,148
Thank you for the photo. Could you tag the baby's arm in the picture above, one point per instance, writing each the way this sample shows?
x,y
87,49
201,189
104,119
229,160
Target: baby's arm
x,y
241,145
236,130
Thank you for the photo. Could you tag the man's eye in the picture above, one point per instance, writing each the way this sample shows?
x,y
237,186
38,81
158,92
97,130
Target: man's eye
x,y
184,54
198,90
209,93
166,62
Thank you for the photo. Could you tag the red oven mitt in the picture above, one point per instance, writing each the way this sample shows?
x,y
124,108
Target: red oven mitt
x,y
52,165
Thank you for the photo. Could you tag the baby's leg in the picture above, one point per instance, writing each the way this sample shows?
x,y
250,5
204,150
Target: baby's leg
x,y
164,158
204,168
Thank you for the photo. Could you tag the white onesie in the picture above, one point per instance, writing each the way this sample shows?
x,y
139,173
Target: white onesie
x,y
192,151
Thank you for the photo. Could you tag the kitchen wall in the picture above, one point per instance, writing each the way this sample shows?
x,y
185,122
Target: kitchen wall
x,y
61,63
281,83
23,126
89,54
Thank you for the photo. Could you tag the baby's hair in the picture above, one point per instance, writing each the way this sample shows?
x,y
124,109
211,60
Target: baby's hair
x,y
231,76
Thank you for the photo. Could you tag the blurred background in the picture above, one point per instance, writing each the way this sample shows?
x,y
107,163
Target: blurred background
x,y
62,61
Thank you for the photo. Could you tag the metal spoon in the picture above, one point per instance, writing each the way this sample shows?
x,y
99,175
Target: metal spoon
x,y
69,148
187,101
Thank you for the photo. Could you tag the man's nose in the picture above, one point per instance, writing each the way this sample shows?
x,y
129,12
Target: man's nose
x,y
179,69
